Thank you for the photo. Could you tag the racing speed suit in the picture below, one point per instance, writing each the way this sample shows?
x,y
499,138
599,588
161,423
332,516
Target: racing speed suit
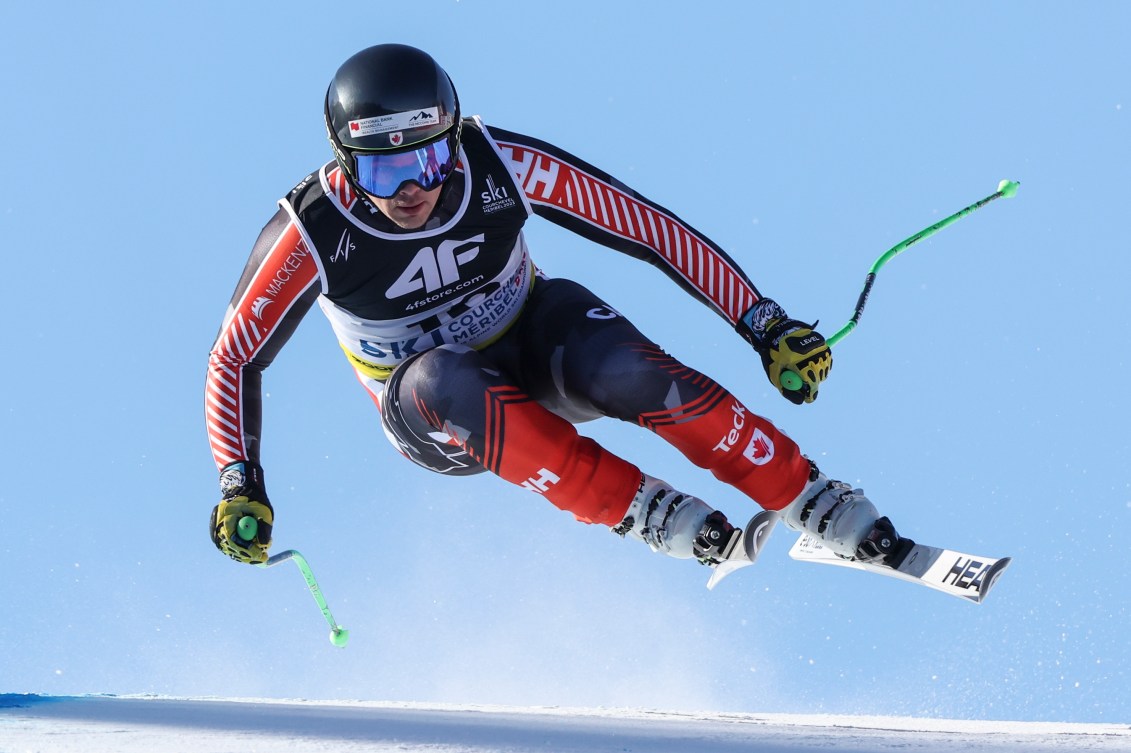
x,y
475,359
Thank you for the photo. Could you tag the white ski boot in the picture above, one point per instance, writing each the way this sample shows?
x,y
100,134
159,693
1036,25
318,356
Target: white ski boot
x,y
682,526
842,519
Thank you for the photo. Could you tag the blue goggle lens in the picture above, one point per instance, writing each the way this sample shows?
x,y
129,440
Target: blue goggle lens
x,y
382,174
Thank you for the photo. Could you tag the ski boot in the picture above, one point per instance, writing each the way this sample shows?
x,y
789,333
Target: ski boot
x,y
674,523
845,521
685,527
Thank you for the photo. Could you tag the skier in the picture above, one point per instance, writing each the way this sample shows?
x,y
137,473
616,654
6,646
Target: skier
x,y
410,241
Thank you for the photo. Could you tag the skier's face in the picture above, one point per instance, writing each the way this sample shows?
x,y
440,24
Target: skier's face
x,y
410,208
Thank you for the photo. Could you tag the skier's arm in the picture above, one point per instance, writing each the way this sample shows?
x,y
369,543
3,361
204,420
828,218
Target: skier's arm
x,y
572,193
277,288
579,197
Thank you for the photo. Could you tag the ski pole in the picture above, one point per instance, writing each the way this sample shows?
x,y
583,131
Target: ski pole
x,y
1006,188
339,636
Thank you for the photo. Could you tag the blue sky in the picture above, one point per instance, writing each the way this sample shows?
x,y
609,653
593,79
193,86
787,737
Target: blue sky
x,y
980,403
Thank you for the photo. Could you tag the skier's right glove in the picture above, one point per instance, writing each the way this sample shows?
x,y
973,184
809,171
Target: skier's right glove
x,y
241,486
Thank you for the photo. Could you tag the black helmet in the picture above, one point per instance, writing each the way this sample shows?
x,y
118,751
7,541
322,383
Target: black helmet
x,y
392,99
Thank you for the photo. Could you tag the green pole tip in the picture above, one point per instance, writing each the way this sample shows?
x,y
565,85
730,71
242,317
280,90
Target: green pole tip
x,y
1008,188
791,381
247,527
339,636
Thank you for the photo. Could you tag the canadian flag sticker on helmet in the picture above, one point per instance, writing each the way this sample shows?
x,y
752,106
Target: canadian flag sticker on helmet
x,y
396,138
760,450
399,121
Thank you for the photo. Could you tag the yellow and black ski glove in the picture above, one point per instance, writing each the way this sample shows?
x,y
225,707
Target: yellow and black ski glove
x,y
795,356
243,495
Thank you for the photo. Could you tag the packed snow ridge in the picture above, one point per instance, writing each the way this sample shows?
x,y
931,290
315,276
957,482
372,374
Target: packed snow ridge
x,y
137,724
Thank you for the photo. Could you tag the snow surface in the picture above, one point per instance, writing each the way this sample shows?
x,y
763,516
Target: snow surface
x,y
124,724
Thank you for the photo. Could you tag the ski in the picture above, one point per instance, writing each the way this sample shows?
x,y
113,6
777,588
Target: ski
x,y
754,537
965,576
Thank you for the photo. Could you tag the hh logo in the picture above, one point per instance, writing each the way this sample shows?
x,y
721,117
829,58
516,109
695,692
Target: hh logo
x,y
536,173
541,485
760,450
433,270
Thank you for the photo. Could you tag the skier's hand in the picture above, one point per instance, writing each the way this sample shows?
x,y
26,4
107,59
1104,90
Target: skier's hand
x,y
795,356
241,486
796,360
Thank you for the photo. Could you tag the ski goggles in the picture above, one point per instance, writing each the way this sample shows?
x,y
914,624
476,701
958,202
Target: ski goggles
x,y
383,174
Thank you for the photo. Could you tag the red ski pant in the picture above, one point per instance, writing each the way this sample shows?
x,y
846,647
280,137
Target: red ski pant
x,y
509,409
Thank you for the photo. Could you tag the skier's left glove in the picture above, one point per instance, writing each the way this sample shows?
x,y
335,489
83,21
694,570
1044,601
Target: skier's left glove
x,y
241,486
795,356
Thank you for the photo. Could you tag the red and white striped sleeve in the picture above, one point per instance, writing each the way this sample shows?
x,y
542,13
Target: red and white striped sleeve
x,y
278,286
571,193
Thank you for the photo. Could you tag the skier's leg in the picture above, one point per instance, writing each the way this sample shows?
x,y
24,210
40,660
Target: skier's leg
x,y
772,471
417,441
453,410
459,401
748,452
752,455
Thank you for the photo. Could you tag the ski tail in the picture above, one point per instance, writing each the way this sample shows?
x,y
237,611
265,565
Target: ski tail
x,y
754,537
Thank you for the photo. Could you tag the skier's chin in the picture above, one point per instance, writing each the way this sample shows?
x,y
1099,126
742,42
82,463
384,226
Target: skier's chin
x,y
409,211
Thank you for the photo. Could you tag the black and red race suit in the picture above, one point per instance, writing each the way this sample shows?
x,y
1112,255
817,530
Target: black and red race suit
x,y
474,358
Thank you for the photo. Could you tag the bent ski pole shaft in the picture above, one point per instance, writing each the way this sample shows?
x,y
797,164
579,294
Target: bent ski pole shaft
x,y
1007,189
339,636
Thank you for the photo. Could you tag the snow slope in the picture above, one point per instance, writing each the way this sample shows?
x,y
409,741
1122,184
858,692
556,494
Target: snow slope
x,y
129,724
